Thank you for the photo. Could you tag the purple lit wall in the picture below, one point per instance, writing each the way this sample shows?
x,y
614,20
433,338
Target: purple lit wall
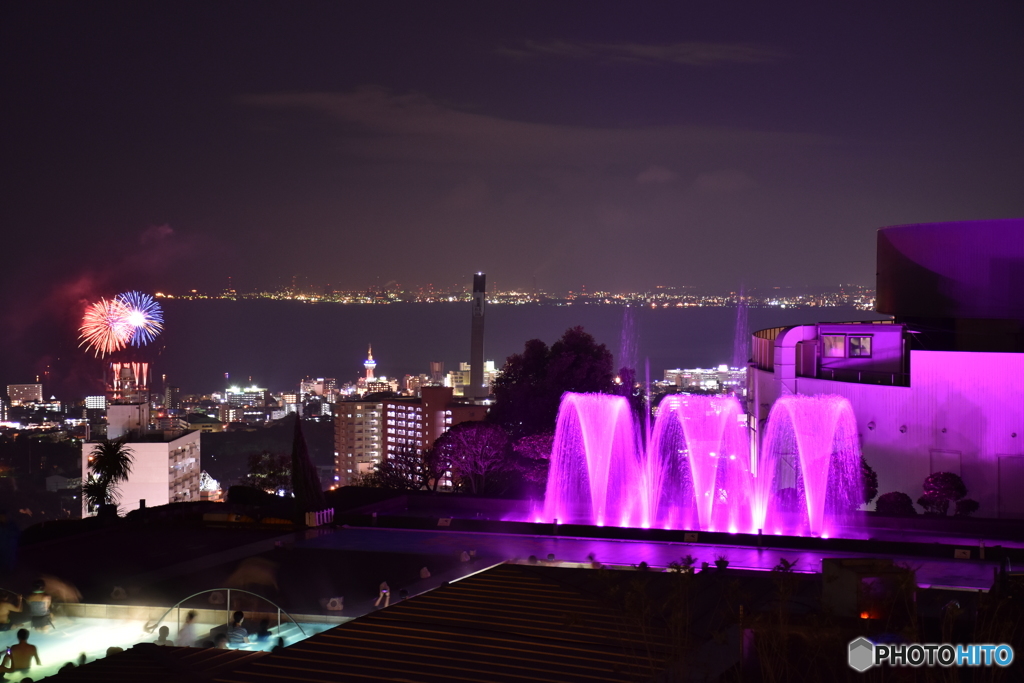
x,y
963,412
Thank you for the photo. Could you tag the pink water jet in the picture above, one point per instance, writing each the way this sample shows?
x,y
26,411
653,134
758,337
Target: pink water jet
x,y
595,475
809,475
698,463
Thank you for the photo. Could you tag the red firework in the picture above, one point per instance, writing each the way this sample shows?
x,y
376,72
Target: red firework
x,y
106,327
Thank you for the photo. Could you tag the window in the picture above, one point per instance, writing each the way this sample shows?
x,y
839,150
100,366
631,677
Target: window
x,y
860,347
833,345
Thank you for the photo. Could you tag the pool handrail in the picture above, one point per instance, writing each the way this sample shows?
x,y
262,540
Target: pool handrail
x,y
227,603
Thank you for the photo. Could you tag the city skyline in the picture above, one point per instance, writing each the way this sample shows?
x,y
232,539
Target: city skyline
x,y
855,295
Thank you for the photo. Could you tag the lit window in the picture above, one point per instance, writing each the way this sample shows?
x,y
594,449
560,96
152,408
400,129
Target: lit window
x,y
860,347
833,345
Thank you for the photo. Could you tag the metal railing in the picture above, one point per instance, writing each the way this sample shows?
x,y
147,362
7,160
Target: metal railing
x,y
227,607
894,379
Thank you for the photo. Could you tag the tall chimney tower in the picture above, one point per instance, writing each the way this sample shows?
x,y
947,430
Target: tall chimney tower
x,y
476,348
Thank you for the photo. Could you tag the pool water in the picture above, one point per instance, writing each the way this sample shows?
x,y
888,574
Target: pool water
x,y
73,636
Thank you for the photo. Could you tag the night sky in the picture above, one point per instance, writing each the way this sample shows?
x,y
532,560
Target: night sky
x,y
170,145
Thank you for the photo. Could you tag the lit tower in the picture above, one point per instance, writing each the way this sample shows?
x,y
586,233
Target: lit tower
x,y
476,387
369,364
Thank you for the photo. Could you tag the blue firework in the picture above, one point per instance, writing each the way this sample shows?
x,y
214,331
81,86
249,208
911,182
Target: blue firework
x,y
145,317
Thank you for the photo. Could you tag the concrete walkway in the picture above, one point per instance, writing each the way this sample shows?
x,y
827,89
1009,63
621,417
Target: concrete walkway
x,y
492,548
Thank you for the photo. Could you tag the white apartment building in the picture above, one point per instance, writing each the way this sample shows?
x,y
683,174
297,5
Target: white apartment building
x,y
357,439
166,469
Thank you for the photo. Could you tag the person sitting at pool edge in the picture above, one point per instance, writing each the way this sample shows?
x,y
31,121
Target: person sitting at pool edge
x,y
236,634
163,637
6,607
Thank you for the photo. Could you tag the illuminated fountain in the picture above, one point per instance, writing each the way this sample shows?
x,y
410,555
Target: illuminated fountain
x,y
695,472
698,464
595,474
809,466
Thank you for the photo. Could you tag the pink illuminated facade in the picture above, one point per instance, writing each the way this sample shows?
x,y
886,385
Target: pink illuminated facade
x,y
941,386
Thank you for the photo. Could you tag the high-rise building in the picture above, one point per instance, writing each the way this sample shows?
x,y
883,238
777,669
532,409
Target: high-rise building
x,y
476,387
436,371
460,380
127,420
21,394
95,402
172,397
416,423
381,384
412,384
357,439
249,396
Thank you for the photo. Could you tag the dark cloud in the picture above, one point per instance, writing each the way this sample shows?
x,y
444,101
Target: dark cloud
x,y
681,54
655,174
377,124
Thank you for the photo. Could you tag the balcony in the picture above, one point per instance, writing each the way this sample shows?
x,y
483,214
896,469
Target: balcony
x,y
891,379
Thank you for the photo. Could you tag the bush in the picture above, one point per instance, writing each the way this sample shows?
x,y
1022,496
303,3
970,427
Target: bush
x,y
870,480
895,504
965,507
941,488
934,504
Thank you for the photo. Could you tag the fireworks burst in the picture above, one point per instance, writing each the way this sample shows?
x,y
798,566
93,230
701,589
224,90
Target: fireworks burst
x,y
105,328
109,325
145,317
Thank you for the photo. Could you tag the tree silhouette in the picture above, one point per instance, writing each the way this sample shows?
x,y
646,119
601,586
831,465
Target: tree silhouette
x,y
110,464
269,472
940,489
406,470
476,452
895,504
533,457
529,387
309,492
870,480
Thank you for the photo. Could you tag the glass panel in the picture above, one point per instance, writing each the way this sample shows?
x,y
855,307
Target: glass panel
x,y
833,346
860,347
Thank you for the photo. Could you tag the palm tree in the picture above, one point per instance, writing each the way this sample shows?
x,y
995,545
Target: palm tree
x,y
110,464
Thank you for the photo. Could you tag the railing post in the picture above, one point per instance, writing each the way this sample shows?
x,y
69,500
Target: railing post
x,y
227,605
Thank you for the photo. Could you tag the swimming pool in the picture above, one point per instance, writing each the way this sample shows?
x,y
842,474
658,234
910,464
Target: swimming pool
x,y
73,636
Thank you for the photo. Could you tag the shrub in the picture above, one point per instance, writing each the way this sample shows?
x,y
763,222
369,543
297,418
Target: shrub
x,y
934,504
895,504
870,480
965,507
941,488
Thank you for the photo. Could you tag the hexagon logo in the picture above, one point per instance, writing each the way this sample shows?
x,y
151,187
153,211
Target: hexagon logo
x,y
862,654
